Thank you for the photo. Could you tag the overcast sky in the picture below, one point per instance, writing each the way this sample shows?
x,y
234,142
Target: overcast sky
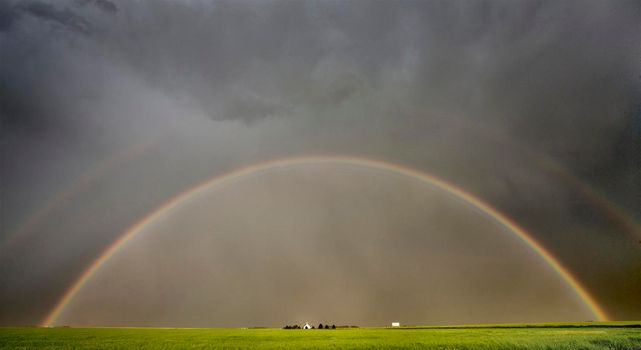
x,y
110,108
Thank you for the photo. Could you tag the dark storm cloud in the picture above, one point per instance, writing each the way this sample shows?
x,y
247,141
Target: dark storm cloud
x,y
49,12
551,72
557,75
34,67
104,5
64,15
7,15
477,92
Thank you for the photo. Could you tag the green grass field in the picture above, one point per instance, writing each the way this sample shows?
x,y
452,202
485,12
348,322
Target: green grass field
x,y
616,335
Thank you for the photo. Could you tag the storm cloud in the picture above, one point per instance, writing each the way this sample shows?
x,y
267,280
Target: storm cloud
x,y
532,105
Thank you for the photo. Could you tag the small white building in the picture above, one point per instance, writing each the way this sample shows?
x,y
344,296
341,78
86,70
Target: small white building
x,y
396,324
307,326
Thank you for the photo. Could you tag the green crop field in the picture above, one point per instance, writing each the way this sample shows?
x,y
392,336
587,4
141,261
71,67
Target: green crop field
x,y
615,335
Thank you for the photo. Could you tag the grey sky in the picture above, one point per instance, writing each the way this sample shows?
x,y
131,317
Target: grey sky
x,y
117,106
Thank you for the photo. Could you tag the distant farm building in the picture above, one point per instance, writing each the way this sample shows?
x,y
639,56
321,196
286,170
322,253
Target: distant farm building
x,y
396,324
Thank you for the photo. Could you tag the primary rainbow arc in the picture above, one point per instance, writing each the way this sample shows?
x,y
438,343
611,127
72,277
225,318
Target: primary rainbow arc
x,y
182,198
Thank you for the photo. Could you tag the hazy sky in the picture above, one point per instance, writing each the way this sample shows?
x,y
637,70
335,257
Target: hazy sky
x,y
110,108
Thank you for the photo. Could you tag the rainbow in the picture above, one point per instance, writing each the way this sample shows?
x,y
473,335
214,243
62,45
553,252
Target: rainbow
x,y
60,200
626,223
252,170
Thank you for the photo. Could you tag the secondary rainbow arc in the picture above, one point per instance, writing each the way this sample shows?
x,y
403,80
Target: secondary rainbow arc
x,y
86,179
184,197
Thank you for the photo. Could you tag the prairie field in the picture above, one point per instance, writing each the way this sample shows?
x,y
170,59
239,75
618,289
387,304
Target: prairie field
x,y
611,335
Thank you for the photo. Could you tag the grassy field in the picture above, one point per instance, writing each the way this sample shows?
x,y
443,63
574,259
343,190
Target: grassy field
x,y
548,336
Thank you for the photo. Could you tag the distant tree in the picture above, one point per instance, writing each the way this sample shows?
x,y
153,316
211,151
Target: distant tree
x,y
333,326
286,327
313,327
320,326
326,326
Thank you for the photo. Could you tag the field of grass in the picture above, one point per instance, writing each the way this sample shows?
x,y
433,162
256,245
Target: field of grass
x,y
549,336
